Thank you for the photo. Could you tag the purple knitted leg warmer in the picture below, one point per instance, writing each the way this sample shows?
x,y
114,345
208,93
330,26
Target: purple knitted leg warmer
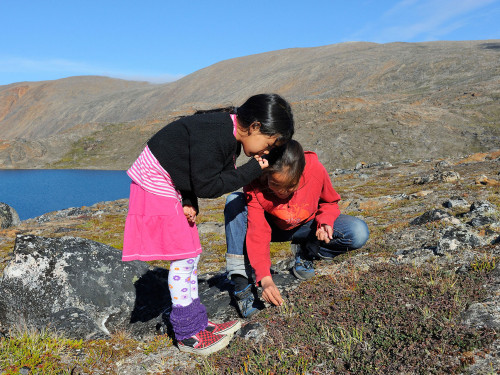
x,y
188,320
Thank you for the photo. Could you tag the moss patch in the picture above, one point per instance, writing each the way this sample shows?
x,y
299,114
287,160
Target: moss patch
x,y
390,320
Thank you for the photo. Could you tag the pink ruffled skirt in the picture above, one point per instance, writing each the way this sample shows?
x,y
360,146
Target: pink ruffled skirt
x,y
156,229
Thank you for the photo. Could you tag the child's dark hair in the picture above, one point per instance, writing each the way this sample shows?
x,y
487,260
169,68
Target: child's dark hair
x,y
289,159
270,110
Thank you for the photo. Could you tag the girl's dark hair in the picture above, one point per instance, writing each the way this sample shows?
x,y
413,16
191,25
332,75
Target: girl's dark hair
x,y
231,110
272,112
289,159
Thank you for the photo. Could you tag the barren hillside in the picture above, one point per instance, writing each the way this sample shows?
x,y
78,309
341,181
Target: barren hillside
x,y
377,102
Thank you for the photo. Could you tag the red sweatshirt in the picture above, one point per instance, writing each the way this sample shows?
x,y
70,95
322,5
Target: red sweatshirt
x,y
314,199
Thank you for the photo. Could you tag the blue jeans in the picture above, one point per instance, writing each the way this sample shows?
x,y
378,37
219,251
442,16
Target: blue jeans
x,y
349,233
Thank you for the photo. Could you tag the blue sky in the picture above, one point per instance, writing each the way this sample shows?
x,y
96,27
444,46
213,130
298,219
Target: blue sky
x,y
160,41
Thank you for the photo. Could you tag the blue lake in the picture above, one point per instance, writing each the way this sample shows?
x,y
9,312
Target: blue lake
x,y
35,192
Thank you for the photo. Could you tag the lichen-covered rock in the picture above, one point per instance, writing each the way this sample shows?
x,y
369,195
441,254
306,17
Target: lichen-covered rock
x,y
483,314
444,176
420,180
482,207
481,221
456,202
80,287
416,256
486,313
447,176
8,216
84,290
456,240
429,216
253,331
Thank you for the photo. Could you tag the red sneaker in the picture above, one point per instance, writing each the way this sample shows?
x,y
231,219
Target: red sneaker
x,y
223,328
203,343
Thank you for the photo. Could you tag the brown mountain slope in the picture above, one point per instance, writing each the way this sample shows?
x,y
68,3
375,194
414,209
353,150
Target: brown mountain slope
x,y
375,102
34,110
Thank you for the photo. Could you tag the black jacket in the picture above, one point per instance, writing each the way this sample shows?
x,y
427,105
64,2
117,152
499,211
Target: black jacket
x,y
199,153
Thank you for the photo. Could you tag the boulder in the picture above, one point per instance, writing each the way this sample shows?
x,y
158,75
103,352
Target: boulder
x,y
486,313
481,221
447,176
482,207
430,216
456,202
454,240
441,176
80,288
8,216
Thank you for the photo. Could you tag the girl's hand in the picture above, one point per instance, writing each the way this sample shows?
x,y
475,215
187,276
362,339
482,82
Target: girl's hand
x,y
270,292
264,163
324,233
190,214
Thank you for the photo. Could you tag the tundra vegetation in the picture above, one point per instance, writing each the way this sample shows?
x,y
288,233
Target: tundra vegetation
x,y
385,308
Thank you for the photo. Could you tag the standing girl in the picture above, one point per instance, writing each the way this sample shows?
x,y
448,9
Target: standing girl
x,y
189,158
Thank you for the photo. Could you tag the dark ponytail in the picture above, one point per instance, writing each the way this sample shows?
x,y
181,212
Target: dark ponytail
x,y
272,112
231,110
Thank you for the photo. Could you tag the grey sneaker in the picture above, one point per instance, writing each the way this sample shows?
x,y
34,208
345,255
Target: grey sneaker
x,y
303,269
248,304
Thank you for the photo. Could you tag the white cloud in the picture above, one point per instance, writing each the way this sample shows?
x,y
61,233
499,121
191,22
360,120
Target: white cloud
x,y
402,5
64,68
422,20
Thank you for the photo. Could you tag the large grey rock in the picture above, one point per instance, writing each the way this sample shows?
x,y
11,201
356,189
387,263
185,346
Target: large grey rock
x,y
441,176
484,217
482,314
8,216
84,290
80,287
486,313
457,240
429,216
456,202
482,207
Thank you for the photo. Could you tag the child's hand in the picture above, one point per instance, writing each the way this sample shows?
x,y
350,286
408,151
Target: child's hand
x,y
270,292
264,163
324,233
190,213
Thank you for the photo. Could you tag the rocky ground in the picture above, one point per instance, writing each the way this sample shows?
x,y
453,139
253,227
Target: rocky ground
x,y
428,214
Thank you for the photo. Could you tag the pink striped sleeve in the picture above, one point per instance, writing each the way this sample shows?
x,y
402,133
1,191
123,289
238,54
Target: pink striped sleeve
x,y
151,176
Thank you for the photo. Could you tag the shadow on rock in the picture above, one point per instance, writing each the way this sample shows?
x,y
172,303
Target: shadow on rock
x,y
152,296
